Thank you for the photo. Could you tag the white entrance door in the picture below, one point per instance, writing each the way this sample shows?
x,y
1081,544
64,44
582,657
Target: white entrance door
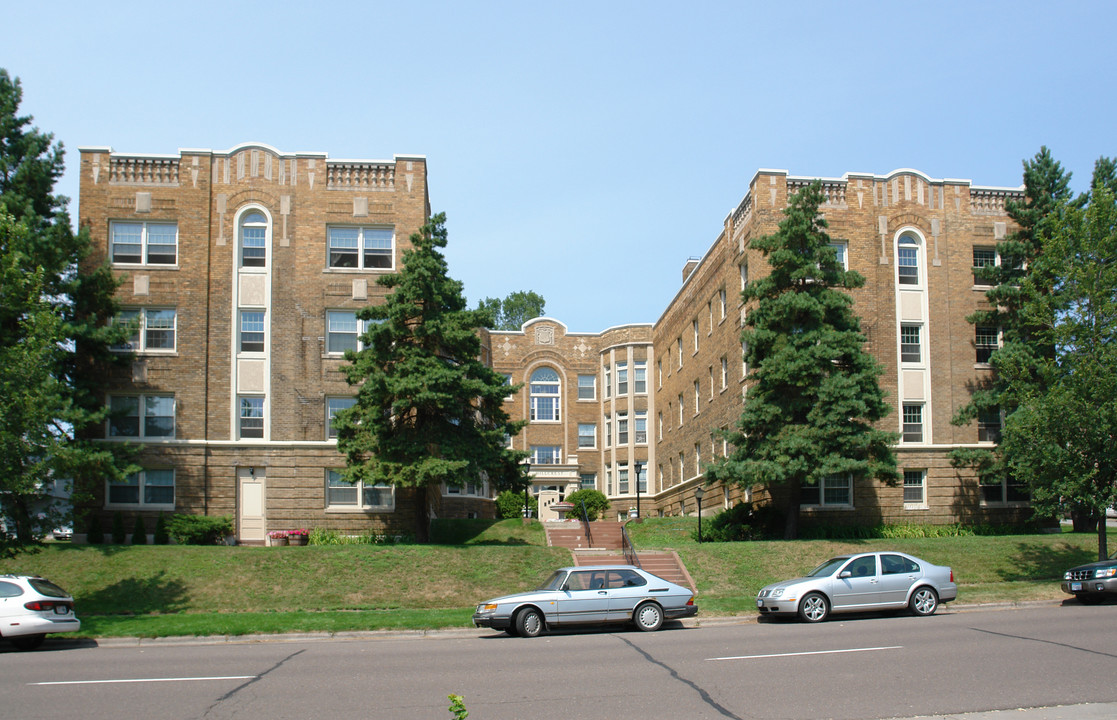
x,y
250,497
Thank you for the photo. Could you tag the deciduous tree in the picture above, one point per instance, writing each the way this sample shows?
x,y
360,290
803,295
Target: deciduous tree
x,y
514,310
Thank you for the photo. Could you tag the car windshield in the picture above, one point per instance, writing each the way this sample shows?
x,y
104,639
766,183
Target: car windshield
x,y
554,582
828,567
46,587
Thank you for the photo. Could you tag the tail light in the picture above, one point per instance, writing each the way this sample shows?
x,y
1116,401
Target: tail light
x,y
690,601
47,605
951,574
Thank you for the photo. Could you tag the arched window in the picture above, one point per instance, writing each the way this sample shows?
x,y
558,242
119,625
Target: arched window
x,y
545,395
907,260
253,239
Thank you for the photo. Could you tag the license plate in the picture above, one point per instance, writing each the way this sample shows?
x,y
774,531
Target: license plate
x,y
1076,586
61,610
760,603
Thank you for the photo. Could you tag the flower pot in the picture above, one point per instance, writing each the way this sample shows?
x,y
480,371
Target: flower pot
x,y
278,540
298,539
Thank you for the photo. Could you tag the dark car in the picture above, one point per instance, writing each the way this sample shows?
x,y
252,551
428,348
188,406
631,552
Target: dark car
x,y
1092,583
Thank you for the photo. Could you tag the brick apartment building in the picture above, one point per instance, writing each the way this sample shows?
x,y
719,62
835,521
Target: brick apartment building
x,y
244,269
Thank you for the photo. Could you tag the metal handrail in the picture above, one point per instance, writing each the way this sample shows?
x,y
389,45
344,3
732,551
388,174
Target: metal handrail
x,y
586,524
630,556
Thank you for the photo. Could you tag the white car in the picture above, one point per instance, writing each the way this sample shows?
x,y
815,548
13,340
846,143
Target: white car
x,y
589,595
31,607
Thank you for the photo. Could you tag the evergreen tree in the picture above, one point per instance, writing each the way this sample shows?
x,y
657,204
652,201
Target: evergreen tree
x,y
54,332
513,311
428,411
1046,185
1062,433
814,392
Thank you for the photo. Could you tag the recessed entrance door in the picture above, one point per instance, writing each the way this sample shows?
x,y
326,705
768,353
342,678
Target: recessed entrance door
x,y
250,502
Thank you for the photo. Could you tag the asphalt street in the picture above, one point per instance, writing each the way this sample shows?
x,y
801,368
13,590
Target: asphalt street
x,y
1057,660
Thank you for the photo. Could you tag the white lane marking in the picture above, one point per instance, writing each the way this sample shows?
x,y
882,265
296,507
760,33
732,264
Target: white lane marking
x,y
145,680
813,652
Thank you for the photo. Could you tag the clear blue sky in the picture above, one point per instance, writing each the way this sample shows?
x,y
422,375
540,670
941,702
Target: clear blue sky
x,y
582,150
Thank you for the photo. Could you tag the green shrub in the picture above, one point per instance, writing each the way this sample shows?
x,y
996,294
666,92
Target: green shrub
x,y
743,521
162,537
139,532
118,534
510,504
199,529
94,534
595,501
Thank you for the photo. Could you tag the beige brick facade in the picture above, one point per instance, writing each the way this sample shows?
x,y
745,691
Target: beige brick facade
x,y
252,229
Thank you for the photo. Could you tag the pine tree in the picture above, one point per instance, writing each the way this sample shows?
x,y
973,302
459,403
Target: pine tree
x,y
428,411
813,394
54,332
1046,185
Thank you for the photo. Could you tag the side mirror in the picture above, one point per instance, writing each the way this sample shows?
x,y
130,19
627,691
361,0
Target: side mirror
x,y
845,574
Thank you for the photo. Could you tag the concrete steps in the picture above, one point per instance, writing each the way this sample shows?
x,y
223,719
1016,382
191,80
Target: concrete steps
x,y
603,545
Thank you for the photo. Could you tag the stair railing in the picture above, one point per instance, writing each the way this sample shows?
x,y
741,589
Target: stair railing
x,y
630,556
586,524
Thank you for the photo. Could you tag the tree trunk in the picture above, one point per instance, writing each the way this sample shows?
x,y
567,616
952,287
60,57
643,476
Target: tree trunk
x,y
1083,519
1103,538
791,518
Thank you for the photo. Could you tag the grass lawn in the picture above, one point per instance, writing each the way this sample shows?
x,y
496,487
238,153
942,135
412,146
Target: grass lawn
x,y
153,591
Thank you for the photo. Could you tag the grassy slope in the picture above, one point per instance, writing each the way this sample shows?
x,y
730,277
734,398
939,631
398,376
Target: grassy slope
x,y
176,590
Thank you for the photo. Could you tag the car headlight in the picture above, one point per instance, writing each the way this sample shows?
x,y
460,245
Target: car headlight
x,y
486,607
1066,575
1105,572
776,593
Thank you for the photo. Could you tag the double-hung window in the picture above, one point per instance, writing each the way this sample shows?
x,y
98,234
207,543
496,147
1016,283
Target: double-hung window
x,y
907,260
985,343
344,495
983,257
253,240
587,435
143,243
544,390
343,331
641,427
841,252
587,387
999,490
251,416
146,488
155,329
363,248
622,379
622,428
640,377
142,416
913,422
832,490
335,405
252,331
910,343
989,426
915,488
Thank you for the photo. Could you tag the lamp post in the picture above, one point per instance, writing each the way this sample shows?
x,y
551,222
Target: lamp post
x,y
639,467
698,493
527,508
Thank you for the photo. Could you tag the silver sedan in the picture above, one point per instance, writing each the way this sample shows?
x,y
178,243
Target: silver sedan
x,y
589,595
861,582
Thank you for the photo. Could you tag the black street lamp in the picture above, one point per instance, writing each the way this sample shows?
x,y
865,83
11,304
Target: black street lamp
x,y
698,493
639,467
527,485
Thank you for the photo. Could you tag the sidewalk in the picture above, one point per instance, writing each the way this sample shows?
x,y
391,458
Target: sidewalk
x,y
1087,711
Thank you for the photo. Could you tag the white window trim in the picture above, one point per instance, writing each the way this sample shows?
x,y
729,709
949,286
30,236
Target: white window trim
x,y
140,504
141,332
359,506
141,400
823,505
921,504
360,268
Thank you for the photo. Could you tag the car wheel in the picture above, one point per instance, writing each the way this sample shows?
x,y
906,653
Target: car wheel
x,y
1089,599
924,601
648,617
28,642
814,607
529,623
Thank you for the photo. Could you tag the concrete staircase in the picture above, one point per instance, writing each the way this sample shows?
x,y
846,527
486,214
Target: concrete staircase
x,y
603,545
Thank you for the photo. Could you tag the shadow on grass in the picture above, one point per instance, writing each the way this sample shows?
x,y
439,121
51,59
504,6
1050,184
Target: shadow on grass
x,y
1037,562
135,596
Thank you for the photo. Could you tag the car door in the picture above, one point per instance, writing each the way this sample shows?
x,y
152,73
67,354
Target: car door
x,y
584,599
897,575
10,606
857,584
626,588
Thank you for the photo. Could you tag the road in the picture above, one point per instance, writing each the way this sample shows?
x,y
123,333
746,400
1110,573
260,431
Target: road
x,y
862,667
